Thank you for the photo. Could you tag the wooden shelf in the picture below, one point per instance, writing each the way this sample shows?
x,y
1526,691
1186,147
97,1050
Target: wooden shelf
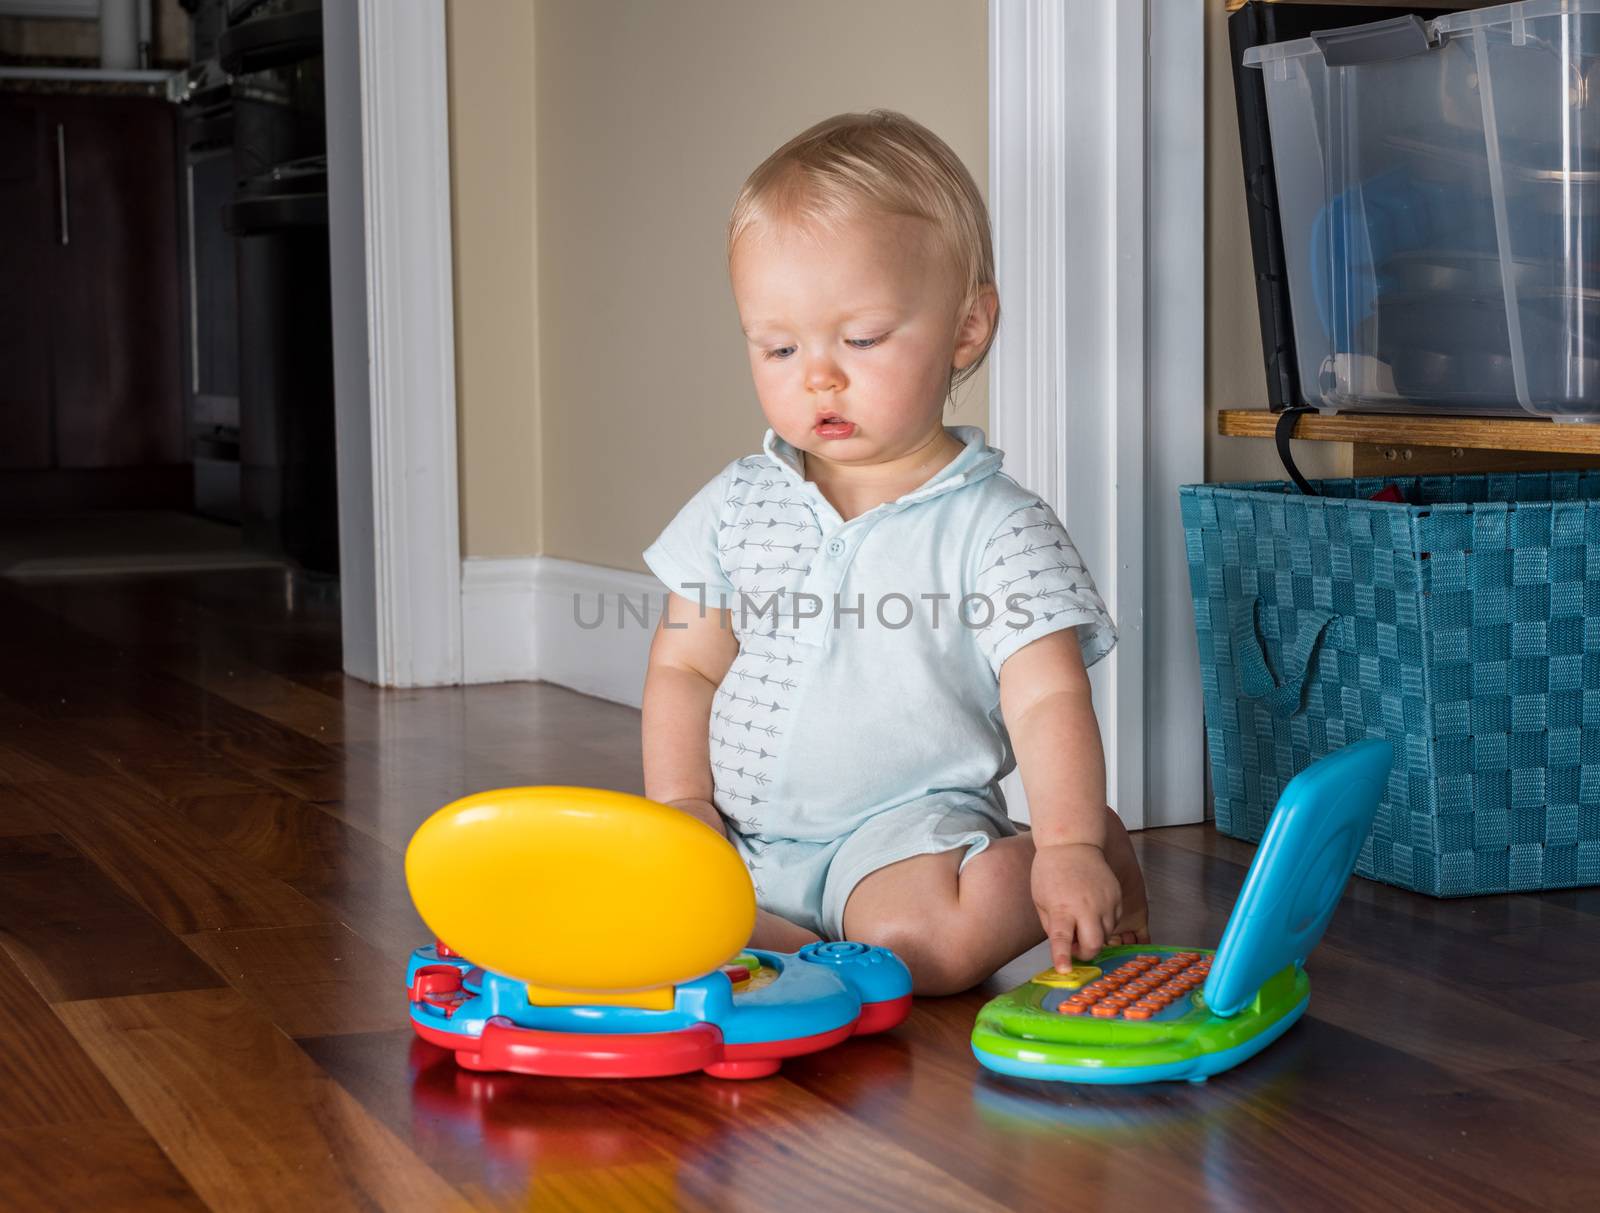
x,y
1412,430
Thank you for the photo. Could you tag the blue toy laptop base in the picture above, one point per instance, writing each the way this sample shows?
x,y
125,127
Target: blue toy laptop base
x,y
1151,1014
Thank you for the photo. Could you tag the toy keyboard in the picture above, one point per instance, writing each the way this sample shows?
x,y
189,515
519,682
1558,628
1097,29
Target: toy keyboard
x,y
1137,1014
1145,1014
1147,985
739,1021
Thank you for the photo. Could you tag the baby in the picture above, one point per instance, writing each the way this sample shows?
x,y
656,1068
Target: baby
x,y
870,624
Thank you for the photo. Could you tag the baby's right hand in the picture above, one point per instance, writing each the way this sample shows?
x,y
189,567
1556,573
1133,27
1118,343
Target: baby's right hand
x,y
1079,900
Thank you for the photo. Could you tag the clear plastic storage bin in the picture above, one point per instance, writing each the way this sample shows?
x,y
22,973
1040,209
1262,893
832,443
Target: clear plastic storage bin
x,y
1439,195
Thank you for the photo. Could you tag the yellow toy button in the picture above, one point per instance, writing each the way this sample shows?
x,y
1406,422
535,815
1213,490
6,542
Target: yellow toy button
x,y
1078,975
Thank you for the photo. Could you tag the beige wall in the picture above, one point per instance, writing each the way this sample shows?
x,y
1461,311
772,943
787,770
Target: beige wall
x,y
493,217
584,431
596,148
1236,375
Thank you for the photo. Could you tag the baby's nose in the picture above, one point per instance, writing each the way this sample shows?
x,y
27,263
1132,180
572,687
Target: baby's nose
x,y
823,375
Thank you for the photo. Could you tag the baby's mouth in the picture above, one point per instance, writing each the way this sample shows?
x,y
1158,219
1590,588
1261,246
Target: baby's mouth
x,y
831,425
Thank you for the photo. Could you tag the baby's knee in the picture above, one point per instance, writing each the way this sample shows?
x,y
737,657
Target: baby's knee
x,y
937,963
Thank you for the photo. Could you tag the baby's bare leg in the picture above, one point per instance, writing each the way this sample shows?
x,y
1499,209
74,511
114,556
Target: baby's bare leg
x,y
778,934
951,929
954,929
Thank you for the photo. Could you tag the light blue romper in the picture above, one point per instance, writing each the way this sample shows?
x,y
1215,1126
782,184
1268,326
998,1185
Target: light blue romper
x,y
860,723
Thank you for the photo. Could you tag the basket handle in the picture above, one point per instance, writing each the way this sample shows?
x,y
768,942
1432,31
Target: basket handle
x,y
1250,659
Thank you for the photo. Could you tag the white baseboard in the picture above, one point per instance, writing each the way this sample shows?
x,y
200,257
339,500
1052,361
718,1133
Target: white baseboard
x,y
577,625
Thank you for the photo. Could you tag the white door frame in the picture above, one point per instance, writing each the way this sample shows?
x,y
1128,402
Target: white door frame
x,y
394,339
1096,177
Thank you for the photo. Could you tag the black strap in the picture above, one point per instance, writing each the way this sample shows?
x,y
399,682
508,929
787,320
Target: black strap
x,y
1286,424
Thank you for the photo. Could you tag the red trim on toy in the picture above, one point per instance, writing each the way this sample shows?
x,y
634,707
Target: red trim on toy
x,y
881,1016
771,1050
505,1046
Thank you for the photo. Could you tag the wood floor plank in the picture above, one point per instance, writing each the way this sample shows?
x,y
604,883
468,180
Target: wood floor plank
x,y
1434,1019
130,738
1572,1085
302,709
341,869
37,752
205,774
281,834
250,741
1527,1148
312,980
95,682
45,1078
248,1119
170,869
340,712
67,1140
17,817
21,762
75,934
108,1164
1572,1007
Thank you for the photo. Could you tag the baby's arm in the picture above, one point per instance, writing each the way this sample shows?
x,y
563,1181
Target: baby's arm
x,y
688,661
1046,704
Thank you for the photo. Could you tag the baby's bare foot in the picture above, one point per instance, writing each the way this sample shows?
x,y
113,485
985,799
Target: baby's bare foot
x,y
1134,925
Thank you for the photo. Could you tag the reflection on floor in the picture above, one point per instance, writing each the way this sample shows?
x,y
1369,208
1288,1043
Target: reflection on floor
x,y
122,541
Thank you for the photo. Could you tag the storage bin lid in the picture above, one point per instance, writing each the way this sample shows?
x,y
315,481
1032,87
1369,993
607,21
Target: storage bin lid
x,y
1504,14
1313,840
1432,32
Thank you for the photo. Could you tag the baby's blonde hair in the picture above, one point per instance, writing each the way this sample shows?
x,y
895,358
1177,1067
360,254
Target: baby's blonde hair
x,y
883,162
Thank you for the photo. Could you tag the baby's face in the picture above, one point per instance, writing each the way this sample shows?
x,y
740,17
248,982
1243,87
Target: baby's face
x,y
861,323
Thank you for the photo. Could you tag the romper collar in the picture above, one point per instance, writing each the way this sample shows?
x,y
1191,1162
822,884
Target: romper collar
x,y
977,462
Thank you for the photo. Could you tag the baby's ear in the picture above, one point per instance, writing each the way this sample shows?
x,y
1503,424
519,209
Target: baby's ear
x,y
977,325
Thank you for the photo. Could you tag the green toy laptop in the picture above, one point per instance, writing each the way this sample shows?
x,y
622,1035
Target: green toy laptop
x,y
1148,1014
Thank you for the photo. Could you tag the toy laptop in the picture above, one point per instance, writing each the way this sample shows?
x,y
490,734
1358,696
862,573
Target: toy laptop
x,y
586,933
1146,1014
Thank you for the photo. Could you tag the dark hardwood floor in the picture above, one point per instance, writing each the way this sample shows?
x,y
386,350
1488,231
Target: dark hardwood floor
x,y
204,921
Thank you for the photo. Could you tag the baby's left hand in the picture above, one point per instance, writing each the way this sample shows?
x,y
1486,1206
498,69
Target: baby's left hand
x,y
1079,900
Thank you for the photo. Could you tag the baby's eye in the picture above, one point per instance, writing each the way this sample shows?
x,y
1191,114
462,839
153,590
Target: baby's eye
x,y
780,353
863,343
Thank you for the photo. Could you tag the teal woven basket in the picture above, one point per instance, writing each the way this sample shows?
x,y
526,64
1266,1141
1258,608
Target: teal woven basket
x,y
1462,626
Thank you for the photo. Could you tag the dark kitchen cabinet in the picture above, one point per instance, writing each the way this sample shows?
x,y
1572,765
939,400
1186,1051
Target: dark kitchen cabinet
x,y
89,299
27,197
